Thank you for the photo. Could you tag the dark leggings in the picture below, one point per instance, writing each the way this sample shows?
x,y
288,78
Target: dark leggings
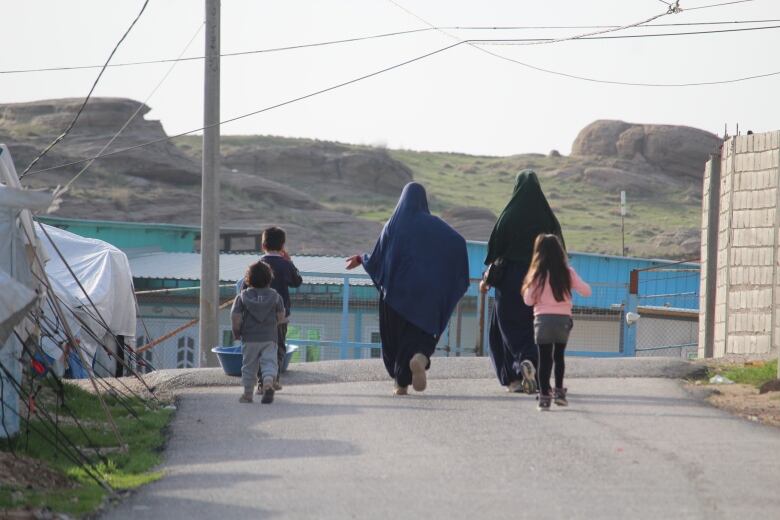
x,y
550,353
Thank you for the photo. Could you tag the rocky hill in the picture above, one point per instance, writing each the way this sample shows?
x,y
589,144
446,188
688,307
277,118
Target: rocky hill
x,y
332,197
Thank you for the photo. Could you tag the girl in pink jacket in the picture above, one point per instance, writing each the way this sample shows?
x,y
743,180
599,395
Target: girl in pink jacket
x,y
548,288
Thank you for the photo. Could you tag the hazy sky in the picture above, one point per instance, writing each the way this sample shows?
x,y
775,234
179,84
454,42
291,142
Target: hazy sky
x,y
461,100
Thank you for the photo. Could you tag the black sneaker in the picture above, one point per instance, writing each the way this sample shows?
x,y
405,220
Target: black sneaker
x,y
544,403
268,395
529,377
560,397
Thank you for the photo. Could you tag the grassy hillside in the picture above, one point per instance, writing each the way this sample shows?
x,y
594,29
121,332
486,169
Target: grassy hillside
x,y
662,213
589,214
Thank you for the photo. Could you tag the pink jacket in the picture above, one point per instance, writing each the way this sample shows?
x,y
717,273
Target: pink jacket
x,y
544,302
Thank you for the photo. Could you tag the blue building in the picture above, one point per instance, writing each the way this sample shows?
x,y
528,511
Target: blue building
x,y
335,311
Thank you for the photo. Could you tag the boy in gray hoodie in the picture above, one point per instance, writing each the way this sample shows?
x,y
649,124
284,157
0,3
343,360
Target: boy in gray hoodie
x,y
255,318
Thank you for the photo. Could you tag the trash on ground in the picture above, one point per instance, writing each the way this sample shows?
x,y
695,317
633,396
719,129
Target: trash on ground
x,y
720,380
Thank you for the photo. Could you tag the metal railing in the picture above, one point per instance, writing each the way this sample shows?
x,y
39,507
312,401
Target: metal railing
x,y
336,316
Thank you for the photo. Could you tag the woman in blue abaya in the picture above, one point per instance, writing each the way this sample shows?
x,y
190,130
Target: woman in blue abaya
x,y
420,267
512,347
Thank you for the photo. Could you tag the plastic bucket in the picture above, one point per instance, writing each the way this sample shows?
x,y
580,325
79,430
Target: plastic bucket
x,y
230,358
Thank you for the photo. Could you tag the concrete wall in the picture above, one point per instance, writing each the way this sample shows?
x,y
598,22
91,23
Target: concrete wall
x,y
747,247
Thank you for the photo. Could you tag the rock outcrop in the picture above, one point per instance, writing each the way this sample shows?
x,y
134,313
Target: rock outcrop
x,y
161,182
471,222
676,150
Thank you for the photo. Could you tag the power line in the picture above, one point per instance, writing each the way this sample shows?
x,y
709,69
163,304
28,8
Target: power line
x,y
259,111
523,41
671,9
716,5
472,43
141,105
396,66
401,33
586,78
227,54
89,94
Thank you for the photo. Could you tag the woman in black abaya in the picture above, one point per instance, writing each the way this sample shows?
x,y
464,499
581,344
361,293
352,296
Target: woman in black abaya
x,y
420,267
512,348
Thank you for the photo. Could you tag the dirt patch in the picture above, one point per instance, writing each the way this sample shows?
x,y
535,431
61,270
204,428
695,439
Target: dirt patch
x,y
746,401
22,472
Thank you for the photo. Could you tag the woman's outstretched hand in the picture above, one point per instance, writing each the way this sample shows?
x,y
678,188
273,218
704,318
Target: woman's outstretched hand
x,y
354,261
484,287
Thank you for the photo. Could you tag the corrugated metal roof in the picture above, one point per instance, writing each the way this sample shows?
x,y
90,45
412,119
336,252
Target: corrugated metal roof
x,y
186,266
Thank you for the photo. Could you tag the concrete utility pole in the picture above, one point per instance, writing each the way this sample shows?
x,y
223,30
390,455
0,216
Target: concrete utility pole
x,y
711,269
209,213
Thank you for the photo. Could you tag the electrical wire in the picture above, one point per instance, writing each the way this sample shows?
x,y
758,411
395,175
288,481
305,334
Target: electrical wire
x,y
530,41
89,94
440,50
388,69
717,5
384,35
587,78
259,111
140,107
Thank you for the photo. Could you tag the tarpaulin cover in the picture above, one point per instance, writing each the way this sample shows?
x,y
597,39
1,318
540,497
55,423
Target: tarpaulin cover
x,y
16,300
104,273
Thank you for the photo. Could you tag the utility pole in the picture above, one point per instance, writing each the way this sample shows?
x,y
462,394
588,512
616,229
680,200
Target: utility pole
x,y
209,213
623,223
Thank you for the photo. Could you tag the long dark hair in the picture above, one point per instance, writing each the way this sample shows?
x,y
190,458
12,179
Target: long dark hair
x,y
549,264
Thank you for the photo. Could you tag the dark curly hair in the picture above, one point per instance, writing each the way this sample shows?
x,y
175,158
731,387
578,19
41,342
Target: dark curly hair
x,y
258,275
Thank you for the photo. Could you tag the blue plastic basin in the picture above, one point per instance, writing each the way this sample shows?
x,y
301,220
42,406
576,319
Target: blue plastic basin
x,y
230,358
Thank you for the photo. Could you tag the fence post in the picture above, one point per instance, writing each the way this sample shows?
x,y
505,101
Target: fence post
x,y
632,302
711,267
459,328
480,350
486,321
345,318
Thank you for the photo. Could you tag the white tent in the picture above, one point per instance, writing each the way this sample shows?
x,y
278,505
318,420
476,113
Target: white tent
x,y
102,272
16,300
17,282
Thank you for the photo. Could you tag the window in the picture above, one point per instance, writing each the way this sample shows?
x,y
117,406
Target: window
x,y
185,352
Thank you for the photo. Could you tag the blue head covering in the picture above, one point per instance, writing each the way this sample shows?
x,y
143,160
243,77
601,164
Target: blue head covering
x,y
419,264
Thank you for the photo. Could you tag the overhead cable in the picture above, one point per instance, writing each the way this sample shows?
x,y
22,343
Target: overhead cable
x,y
587,78
717,5
140,107
89,94
393,67
400,33
531,41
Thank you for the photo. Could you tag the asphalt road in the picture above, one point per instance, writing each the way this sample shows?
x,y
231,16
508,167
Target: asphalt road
x,y
625,448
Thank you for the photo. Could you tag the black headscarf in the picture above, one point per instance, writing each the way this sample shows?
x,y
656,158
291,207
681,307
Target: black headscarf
x,y
525,216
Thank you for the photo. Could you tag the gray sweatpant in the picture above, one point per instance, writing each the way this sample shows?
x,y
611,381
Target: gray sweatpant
x,y
256,355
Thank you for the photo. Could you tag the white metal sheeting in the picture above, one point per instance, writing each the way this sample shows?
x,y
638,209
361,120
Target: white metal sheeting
x,y
186,266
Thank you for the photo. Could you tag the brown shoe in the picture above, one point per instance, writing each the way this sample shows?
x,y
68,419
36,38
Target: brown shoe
x,y
268,392
401,390
419,378
246,397
515,387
